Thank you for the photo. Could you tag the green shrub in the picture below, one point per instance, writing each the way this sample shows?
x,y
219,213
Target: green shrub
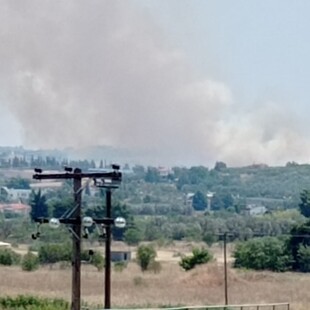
x,y
120,266
53,253
145,256
98,261
30,262
297,245
8,257
93,257
33,303
303,258
262,253
199,256
132,236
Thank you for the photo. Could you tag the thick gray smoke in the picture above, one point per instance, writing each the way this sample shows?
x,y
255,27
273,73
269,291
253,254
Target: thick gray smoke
x,y
79,73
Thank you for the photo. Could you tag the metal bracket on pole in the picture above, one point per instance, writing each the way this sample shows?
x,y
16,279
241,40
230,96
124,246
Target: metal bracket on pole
x,y
74,234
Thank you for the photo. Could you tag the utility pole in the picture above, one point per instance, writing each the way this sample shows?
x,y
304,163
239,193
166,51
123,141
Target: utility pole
x,y
75,218
76,242
223,237
108,236
225,268
107,287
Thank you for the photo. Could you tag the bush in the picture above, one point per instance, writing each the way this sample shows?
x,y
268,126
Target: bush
x,y
145,256
98,261
303,258
35,303
132,236
200,256
95,258
8,257
30,262
120,266
297,245
53,253
262,253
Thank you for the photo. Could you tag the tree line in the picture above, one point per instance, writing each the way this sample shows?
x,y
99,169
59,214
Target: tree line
x,y
287,252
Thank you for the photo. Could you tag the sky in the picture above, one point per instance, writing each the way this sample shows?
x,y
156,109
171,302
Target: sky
x,y
182,81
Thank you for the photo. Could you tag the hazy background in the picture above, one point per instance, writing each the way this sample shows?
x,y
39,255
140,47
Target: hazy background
x,y
180,82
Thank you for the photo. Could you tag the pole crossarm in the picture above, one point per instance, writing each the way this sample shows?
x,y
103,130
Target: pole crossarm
x,y
114,176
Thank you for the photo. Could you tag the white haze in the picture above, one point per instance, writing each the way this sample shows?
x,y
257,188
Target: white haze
x,y
82,73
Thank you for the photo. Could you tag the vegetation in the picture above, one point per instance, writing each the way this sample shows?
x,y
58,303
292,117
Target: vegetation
x,y
199,256
145,256
30,262
261,254
199,201
132,236
8,257
304,205
279,254
53,253
39,207
158,206
32,303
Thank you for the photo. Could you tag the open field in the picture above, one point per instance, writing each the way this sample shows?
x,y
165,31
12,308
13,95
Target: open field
x,y
172,286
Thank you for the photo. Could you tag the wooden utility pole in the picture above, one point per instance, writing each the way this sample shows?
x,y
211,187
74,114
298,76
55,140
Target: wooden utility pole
x,y
107,274
225,268
76,242
76,222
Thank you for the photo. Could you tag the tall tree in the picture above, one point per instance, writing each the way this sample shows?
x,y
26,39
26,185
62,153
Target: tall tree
x,y
199,201
304,205
38,205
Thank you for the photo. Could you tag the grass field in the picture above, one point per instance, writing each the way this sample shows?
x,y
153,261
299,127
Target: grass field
x,y
172,286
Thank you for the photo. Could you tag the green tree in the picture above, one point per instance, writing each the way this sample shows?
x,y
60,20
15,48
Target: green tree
x,y
268,253
60,206
303,258
304,205
199,256
145,256
199,201
219,165
227,200
52,253
152,175
299,238
132,236
39,207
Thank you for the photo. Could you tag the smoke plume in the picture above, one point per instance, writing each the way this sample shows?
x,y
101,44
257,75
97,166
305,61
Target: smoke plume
x,y
82,73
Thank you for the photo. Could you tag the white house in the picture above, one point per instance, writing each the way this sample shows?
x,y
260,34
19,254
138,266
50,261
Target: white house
x,y
13,194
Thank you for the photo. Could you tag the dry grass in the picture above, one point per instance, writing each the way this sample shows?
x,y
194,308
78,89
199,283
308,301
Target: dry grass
x,y
172,286
203,285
